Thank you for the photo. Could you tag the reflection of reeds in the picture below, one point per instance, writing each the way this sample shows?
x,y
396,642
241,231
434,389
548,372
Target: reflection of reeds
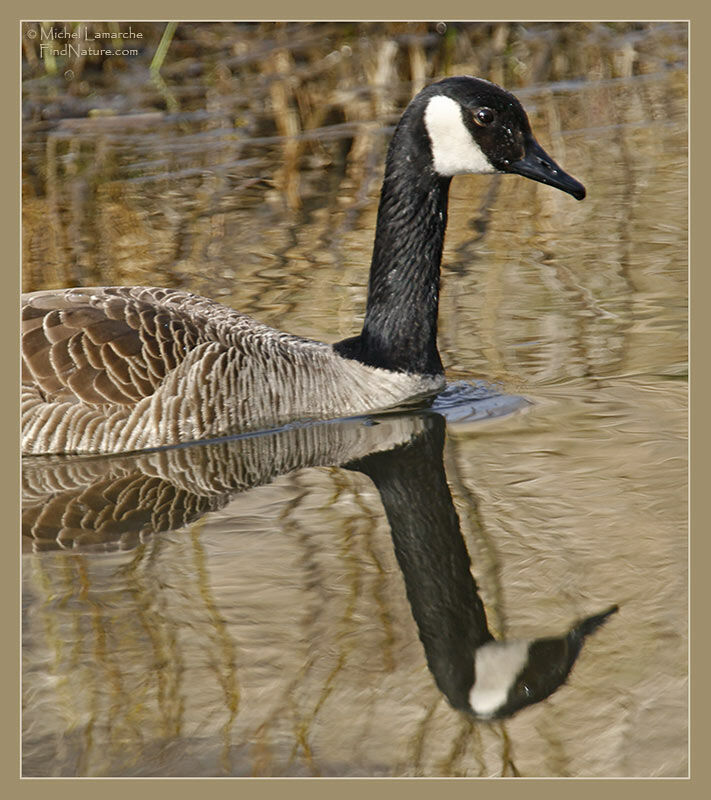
x,y
509,52
288,124
119,660
297,115
238,86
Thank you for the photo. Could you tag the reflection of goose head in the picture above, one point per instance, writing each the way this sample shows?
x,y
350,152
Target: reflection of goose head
x,y
509,675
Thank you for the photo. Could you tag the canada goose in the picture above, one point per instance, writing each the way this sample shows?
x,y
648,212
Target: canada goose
x,y
117,369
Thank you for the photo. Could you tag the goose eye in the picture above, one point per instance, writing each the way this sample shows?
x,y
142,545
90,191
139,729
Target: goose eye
x,y
483,116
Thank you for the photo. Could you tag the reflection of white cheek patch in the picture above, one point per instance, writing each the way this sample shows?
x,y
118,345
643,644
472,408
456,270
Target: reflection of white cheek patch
x,y
453,149
496,665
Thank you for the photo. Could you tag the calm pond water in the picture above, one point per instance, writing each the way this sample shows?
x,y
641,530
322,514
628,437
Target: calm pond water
x,y
300,602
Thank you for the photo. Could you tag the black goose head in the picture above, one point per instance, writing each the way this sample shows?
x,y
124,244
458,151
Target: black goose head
x,y
475,126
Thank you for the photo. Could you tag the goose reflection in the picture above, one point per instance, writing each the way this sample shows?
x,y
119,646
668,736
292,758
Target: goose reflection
x,y
116,503
477,674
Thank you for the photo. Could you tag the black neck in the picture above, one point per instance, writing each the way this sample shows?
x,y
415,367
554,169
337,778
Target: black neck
x,y
400,327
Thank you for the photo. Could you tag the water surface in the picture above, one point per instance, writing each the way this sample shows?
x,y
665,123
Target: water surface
x,y
240,609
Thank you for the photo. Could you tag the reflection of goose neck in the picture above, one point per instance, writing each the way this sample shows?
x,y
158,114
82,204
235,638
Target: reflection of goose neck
x,y
433,558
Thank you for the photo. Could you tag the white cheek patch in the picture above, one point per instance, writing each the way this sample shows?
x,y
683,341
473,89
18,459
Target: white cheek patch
x,y
454,151
496,666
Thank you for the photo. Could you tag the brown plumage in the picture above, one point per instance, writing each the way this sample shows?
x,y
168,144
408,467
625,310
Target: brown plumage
x,y
118,369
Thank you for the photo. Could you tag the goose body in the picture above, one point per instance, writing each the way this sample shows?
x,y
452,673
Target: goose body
x,y
131,368
118,369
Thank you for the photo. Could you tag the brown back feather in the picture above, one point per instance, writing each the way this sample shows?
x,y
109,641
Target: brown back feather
x,y
102,345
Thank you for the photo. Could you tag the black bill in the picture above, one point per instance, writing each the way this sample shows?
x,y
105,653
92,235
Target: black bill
x,y
539,166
